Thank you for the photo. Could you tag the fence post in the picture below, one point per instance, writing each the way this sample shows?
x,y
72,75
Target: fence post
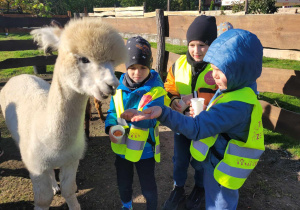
x,y
39,69
160,24
85,12
200,4
144,7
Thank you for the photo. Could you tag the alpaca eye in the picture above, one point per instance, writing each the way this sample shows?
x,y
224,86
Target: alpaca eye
x,y
84,60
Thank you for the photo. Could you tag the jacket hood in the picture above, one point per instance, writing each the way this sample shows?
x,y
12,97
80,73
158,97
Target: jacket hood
x,y
238,54
153,81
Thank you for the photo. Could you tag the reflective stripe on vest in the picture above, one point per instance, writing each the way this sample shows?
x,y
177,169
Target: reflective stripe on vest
x,y
199,149
133,144
118,98
157,143
240,158
183,77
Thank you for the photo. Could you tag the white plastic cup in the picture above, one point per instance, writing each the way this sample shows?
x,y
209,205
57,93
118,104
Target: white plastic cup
x,y
118,128
183,105
197,104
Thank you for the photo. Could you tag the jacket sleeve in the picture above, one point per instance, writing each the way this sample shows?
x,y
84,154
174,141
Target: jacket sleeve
x,y
221,118
170,86
150,123
111,118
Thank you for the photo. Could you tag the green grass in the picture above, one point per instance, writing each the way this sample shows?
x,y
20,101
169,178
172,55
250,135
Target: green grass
x,y
178,49
19,54
287,102
281,64
3,37
277,141
7,73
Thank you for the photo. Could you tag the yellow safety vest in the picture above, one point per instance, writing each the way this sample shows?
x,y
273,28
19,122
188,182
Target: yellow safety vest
x,y
240,158
132,145
183,77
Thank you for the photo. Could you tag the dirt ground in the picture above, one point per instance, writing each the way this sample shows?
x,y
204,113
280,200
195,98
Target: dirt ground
x,y
274,184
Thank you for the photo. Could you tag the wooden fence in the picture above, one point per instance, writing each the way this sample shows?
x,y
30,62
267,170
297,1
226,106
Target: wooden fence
x,y
119,12
272,80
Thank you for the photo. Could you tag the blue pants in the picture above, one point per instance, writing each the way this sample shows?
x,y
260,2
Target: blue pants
x,y
145,169
181,161
216,196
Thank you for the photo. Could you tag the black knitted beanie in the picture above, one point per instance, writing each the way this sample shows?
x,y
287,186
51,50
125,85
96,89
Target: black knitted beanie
x,y
139,52
203,28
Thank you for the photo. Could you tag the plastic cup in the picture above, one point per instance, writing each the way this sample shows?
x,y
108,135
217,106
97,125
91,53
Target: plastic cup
x,y
183,105
118,132
197,104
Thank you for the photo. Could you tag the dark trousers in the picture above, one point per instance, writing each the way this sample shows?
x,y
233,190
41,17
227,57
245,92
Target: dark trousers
x,y
145,170
181,161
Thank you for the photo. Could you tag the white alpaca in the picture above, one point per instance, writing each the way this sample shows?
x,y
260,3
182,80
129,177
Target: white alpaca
x,y
47,121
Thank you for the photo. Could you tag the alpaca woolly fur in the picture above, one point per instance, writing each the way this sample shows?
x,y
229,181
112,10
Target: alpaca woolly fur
x,y
47,121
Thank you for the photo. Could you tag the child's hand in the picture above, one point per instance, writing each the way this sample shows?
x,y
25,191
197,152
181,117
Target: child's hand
x,y
150,113
111,137
187,98
175,105
191,111
129,114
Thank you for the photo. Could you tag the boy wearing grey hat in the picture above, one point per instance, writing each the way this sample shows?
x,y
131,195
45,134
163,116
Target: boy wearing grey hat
x,y
139,146
190,77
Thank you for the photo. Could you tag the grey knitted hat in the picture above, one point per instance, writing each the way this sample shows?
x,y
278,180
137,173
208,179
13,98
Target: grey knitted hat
x,y
139,52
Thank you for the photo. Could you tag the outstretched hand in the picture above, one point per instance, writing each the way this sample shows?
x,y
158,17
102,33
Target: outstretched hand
x,y
135,116
128,114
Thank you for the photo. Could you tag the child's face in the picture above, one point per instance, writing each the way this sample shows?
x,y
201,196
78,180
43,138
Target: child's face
x,y
197,50
219,77
138,72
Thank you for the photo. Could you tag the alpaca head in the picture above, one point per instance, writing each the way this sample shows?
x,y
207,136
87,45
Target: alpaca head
x,y
88,51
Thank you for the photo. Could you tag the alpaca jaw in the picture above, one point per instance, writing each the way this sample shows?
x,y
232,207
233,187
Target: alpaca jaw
x,y
107,83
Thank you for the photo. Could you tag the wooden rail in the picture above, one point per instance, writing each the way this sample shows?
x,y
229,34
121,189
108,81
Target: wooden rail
x,y
120,11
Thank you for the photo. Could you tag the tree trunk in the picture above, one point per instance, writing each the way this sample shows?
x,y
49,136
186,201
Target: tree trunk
x,y
246,6
200,6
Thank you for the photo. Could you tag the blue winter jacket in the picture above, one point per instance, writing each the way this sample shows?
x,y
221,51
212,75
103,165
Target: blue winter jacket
x,y
238,54
131,99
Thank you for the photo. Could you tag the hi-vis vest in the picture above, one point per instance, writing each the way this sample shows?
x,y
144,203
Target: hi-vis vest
x,y
132,145
183,77
240,158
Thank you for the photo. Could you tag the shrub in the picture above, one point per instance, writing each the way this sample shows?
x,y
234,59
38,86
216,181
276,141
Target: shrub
x,y
238,7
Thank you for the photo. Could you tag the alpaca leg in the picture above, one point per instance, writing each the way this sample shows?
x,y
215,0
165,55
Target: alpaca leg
x,y
87,118
68,185
42,190
98,106
55,186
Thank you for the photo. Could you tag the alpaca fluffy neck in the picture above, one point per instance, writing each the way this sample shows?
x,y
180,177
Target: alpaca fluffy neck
x,y
65,114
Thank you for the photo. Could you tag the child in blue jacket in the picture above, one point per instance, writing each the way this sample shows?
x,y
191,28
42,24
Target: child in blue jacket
x,y
228,137
136,88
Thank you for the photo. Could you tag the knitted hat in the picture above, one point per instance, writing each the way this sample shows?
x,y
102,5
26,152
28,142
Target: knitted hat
x,y
139,52
203,28
224,27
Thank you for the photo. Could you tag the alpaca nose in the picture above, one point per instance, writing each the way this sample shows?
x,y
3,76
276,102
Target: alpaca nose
x,y
113,90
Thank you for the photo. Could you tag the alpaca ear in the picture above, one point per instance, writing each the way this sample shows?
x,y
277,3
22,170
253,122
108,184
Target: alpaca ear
x,y
47,38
